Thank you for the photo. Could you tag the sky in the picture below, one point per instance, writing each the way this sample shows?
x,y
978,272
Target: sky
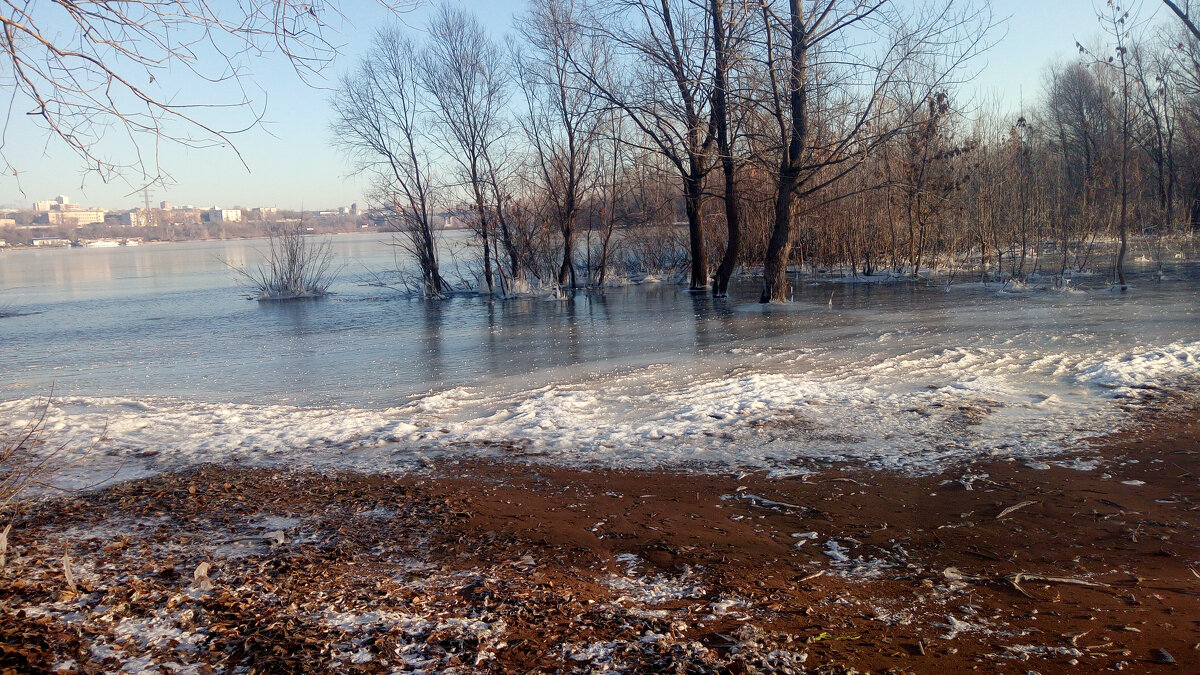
x,y
288,160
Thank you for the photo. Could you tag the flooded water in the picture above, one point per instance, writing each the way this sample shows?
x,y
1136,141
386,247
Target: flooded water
x,y
155,353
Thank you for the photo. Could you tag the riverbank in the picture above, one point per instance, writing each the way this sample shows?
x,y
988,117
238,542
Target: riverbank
x,y
1004,566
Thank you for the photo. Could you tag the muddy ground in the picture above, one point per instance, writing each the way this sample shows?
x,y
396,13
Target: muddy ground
x,y
514,567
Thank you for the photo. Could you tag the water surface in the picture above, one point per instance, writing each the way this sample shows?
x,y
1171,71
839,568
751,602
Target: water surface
x,y
157,346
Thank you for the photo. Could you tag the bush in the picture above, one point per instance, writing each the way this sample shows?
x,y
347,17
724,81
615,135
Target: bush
x,y
21,464
297,267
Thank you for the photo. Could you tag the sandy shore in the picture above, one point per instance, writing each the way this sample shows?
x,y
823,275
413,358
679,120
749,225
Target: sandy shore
x,y
1000,567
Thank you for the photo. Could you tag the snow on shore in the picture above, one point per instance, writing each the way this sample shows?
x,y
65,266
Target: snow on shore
x,y
913,412
1144,370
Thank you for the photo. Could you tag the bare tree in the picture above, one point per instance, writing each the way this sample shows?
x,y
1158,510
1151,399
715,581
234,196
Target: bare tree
x,y
613,168
89,71
1115,22
724,28
827,67
925,176
460,68
563,114
379,122
1185,16
1155,79
663,85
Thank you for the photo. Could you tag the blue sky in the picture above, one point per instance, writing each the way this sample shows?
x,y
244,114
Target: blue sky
x,y
291,163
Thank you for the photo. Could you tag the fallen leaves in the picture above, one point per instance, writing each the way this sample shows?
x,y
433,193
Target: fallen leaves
x,y
281,571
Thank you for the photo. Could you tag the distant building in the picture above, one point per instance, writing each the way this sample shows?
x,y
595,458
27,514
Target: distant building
x,y
49,241
223,216
77,218
59,203
134,218
182,216
165,206
8,222
261,212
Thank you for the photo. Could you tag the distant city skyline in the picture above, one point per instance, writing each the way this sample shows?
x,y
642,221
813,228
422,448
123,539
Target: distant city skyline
x,y
290,164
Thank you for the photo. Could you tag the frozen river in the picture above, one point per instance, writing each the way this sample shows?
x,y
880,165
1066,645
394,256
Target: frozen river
x,y
155,355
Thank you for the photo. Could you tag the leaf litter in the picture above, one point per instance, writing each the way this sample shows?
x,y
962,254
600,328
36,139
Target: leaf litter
x,y
238,570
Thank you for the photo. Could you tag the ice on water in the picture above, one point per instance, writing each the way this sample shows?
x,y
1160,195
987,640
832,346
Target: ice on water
x,y
913,411
891,375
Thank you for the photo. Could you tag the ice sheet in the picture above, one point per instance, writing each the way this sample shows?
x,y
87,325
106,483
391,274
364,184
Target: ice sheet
x,y
914,411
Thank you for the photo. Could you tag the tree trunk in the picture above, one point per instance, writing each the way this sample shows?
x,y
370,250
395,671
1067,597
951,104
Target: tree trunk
x,y
720,112
435,286
566,271
487,259
693,203
1124,225
1121,252
483,233
1194,207
780,245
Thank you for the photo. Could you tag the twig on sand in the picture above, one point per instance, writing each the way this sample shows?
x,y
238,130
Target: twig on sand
x,y
770,504
805,480
276,537
1016,579
1014,507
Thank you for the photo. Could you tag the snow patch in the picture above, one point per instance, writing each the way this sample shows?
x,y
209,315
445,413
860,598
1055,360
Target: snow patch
x,y
1147,369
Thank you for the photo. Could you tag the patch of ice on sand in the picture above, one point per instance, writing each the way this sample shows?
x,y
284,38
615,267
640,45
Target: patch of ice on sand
x,y
353,622
159,631
858,567
955,627
655,589
596,653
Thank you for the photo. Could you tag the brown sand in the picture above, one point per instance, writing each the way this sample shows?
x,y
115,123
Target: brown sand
x,y
516,568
